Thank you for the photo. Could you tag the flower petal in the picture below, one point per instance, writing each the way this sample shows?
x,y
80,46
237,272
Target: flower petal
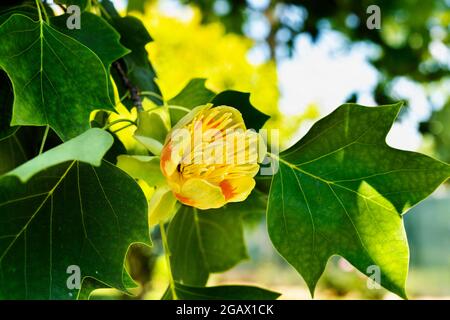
x,y
235,190
201,194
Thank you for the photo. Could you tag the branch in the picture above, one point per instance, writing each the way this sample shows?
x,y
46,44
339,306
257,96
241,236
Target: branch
x,y
134,92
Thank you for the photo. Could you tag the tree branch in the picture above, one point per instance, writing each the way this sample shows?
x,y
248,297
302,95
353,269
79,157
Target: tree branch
x,y
134,92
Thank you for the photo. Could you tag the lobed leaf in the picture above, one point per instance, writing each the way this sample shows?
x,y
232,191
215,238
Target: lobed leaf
x,y
342,190
57,80
60,210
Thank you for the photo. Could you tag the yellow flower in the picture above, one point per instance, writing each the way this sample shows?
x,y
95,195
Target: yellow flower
x,y
210,158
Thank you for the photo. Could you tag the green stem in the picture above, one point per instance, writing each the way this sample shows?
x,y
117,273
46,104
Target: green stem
x,y
124,127
167,256
44,139
187,110
40,6
102,9
126,95
152,94
109,125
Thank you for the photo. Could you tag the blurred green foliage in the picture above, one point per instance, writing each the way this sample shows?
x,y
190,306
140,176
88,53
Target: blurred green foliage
x,y
408,28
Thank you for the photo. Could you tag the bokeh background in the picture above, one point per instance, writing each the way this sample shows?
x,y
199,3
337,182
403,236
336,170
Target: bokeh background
x,y
300,60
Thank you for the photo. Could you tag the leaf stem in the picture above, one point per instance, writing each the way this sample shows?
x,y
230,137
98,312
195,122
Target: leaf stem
x,y
124,127
151,94
44,139
187,110
40,6
102,9
109,125
167,256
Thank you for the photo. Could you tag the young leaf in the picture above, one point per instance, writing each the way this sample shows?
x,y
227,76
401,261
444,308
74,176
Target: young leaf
x,y
254,119
142,167
194,94
58,210
342,190
227,292
57,80
203,242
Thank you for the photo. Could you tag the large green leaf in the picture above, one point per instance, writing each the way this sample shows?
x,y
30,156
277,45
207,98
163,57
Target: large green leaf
x,y
59,210
98,36
227,292
57,80
90,284
27,8
254,119
203,242
12,154
342,190
139,70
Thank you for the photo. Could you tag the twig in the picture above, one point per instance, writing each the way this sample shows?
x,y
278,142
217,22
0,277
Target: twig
x,y
134,92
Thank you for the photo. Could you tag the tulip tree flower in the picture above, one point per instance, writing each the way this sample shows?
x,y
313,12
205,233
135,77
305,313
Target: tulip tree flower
x,y
210,158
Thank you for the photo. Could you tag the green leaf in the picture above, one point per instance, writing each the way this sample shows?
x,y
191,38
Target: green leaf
x,y
58,210
88,148
139,70
89,285
203,242
342,190
227,292
11,154
194,94
254,119
6,103
57,80
98,36
24,7
142,167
